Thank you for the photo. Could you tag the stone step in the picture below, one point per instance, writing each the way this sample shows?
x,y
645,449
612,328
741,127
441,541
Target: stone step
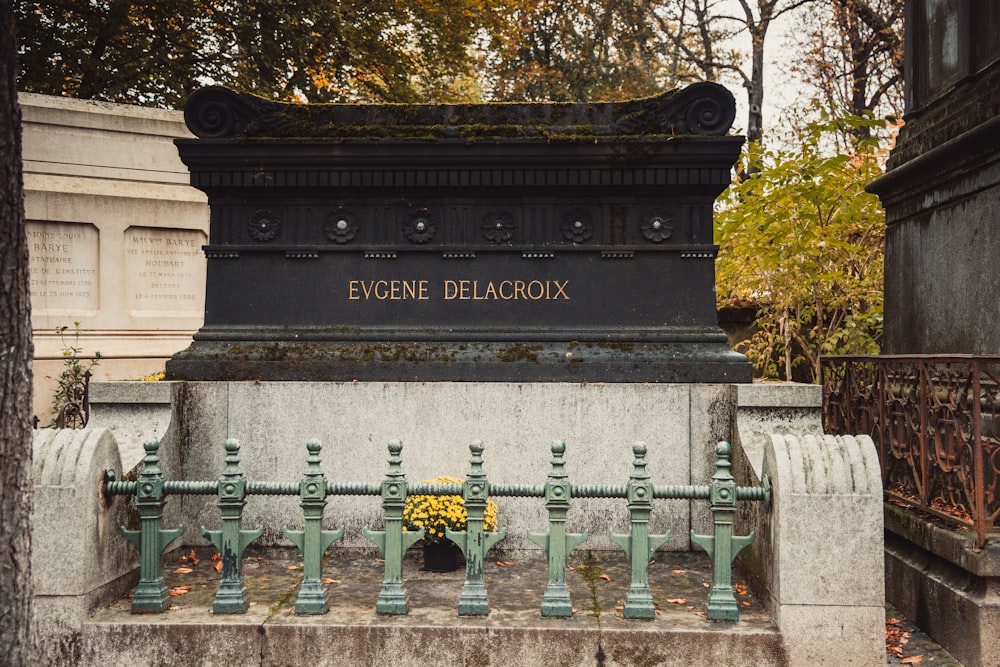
x,y
514,633
180,640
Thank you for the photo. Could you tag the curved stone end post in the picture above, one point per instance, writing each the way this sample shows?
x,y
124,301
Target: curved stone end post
x,y
820,548
78,559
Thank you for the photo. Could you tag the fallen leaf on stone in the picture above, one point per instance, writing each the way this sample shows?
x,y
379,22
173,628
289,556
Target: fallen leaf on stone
x,y
379,560
619,608
329,581
679,571
179,590
913,659
183,570
746,603
605,576
676,600
218,566
216,556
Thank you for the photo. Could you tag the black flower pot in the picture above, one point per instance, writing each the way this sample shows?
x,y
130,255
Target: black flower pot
x,y
444,556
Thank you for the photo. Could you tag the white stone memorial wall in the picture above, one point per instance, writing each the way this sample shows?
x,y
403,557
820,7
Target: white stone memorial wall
x,y
115,235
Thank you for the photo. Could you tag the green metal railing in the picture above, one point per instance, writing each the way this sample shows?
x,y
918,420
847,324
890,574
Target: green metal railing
x,y
151,489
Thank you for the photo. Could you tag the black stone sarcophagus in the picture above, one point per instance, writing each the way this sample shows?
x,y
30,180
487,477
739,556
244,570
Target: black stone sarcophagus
x,y
494,242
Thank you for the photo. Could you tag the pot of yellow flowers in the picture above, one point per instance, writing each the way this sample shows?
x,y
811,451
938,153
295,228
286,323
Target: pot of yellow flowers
x,y
434,514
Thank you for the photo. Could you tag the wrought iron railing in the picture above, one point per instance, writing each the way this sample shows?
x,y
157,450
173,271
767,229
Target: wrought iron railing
x,y
73,414
151,490
936,423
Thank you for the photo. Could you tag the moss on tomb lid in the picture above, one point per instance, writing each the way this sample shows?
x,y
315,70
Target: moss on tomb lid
x,y
702,109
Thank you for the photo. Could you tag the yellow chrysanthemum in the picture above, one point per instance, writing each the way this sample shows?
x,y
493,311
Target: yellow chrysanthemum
x,y
436,513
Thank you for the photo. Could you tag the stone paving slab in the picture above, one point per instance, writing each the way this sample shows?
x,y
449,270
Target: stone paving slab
x,y
515,582
905,641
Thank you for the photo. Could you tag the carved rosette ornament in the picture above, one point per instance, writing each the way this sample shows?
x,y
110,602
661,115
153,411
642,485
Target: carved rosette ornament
x,y
657,228
263,225
419,227
340,226
577,226
498,227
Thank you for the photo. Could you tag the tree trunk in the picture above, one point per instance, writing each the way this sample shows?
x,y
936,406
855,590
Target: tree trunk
x,y
757,29
17,638
786,332
755,88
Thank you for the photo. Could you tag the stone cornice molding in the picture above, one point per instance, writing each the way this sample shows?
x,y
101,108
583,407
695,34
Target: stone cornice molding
x,y
705,108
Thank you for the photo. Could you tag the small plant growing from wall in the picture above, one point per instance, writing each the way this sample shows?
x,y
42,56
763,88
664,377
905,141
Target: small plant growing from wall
x,y
70,403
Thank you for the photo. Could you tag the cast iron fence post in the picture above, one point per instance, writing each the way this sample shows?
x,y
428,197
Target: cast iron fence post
x,y
474,541
232,596
723,546
312,540
393,541
557,543
150,539
640,545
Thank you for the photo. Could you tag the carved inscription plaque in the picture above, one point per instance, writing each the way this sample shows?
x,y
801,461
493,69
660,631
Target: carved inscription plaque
x,y
166,270
63,265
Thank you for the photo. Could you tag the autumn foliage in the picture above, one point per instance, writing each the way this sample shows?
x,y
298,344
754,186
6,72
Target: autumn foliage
x,y
801,241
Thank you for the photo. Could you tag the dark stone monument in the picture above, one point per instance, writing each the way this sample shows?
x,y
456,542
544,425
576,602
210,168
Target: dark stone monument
x,y
494,242
942,189
942,276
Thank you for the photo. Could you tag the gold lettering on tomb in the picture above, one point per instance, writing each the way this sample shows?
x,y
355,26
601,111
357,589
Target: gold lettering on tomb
x,y
459,290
